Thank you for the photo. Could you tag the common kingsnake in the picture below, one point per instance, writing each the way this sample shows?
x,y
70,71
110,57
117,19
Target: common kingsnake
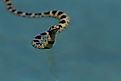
x,y
46,39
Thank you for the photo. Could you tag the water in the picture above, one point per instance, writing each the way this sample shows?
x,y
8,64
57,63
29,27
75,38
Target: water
x,y
89,50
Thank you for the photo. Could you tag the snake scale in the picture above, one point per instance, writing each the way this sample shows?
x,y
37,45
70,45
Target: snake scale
x,y
46,39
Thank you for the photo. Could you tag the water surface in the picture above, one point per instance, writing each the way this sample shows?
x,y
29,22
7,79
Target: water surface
x,y
89,50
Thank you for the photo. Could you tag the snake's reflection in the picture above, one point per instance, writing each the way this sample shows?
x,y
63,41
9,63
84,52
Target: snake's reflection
x,y
54,70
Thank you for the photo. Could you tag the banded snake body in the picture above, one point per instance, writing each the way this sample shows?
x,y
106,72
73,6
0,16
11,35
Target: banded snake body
x,y
46,39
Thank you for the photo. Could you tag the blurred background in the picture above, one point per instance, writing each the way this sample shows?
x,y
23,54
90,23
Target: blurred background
x,y
88,50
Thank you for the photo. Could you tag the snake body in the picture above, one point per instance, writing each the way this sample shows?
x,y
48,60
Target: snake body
x,y
46,39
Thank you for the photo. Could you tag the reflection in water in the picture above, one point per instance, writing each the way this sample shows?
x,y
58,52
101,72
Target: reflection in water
x,y
52,65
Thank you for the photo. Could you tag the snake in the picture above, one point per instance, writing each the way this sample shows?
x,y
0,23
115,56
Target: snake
x,y
44,40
